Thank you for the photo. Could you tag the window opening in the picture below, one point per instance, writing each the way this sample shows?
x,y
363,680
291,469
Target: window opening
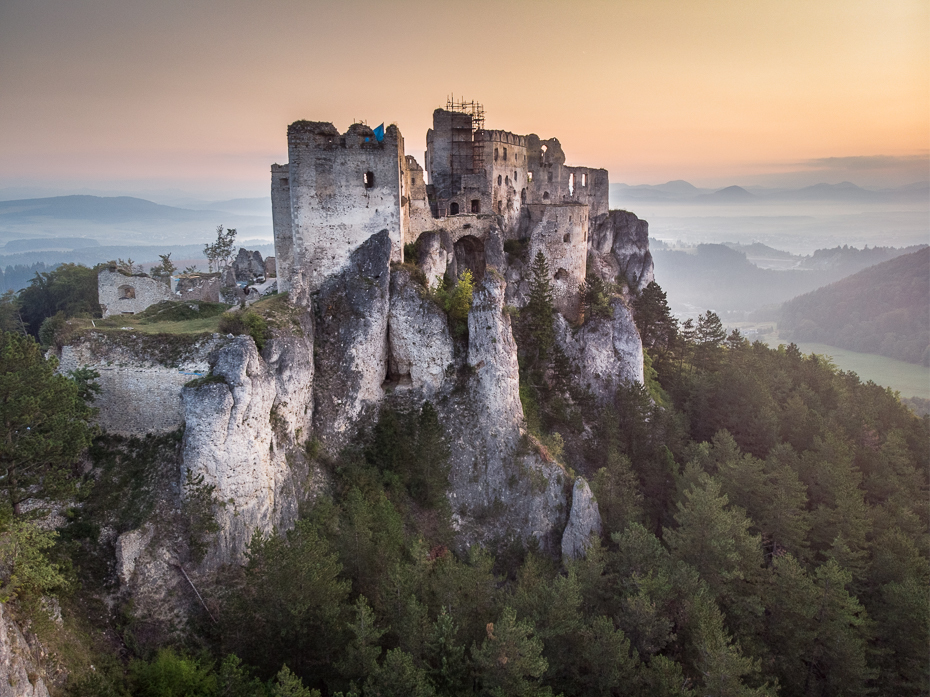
x,y
499,180
584,179
567,238
505,154
523,196
529,176
500,207
127,293
495,154
546,196
369,179
571,184
507,181
454,208
475,205
549,176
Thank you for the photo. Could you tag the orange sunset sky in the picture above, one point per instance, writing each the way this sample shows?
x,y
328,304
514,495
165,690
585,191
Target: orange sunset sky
x,y
197,95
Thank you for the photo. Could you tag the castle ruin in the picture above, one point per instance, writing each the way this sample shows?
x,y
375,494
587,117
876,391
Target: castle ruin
x,y
337,190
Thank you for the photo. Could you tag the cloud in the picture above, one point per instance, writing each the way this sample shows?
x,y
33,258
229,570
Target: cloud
x,y
860,163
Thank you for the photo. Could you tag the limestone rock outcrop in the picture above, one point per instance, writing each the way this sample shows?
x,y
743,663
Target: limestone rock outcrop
x,y
500,486
19,667
244,433
608,352
421,347
248,265
434,252
351,338
621,243
583,521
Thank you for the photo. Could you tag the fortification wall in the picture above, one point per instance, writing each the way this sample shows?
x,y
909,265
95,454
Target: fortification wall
x,y
559,231
344,189
126,295
138,393
281,220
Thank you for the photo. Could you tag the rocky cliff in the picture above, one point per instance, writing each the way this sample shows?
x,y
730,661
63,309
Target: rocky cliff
x,y
372,335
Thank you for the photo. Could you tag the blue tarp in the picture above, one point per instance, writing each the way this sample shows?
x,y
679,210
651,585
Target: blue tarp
x,y
379,133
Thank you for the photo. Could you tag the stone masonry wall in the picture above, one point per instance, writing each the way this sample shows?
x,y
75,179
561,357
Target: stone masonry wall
x,y
120,294
560,233
281,220
138,395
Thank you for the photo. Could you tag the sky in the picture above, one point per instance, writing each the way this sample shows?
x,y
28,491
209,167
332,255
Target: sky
x,y
196,95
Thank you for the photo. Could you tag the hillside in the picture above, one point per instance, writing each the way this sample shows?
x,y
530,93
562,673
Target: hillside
x,y
882,309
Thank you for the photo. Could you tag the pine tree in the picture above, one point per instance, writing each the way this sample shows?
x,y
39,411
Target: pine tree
x,y
657,327
539,308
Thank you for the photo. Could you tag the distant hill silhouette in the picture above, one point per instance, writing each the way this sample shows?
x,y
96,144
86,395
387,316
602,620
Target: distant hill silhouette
x,y
884,309
100,209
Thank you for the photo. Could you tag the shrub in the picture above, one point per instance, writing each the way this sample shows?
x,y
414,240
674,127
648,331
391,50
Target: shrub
x,y
246,322
456,301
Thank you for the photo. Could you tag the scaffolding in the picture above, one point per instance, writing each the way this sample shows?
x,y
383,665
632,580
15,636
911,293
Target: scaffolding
x,y
476,111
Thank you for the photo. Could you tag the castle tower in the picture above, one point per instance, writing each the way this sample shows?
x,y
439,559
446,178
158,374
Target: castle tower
x,y
343,189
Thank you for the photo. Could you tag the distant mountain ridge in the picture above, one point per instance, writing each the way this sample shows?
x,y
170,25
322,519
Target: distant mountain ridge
x,y
682,191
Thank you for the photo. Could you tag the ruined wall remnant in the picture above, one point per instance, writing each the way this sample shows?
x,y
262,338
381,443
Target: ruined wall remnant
x,y
560,233
126,295
281,220
139,393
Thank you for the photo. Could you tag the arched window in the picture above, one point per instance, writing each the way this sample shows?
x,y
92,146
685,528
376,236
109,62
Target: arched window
x,y
495,154
454,208
546,196
505,154
499,180
523,196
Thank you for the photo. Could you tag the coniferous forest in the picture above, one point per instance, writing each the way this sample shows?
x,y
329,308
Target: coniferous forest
x,y
765,532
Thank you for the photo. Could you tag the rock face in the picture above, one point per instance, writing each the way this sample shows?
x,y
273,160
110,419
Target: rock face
x,y
607,351
434,252
243,434
19,667
583,521
248,265
421,348
622,241
351,311
500,487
